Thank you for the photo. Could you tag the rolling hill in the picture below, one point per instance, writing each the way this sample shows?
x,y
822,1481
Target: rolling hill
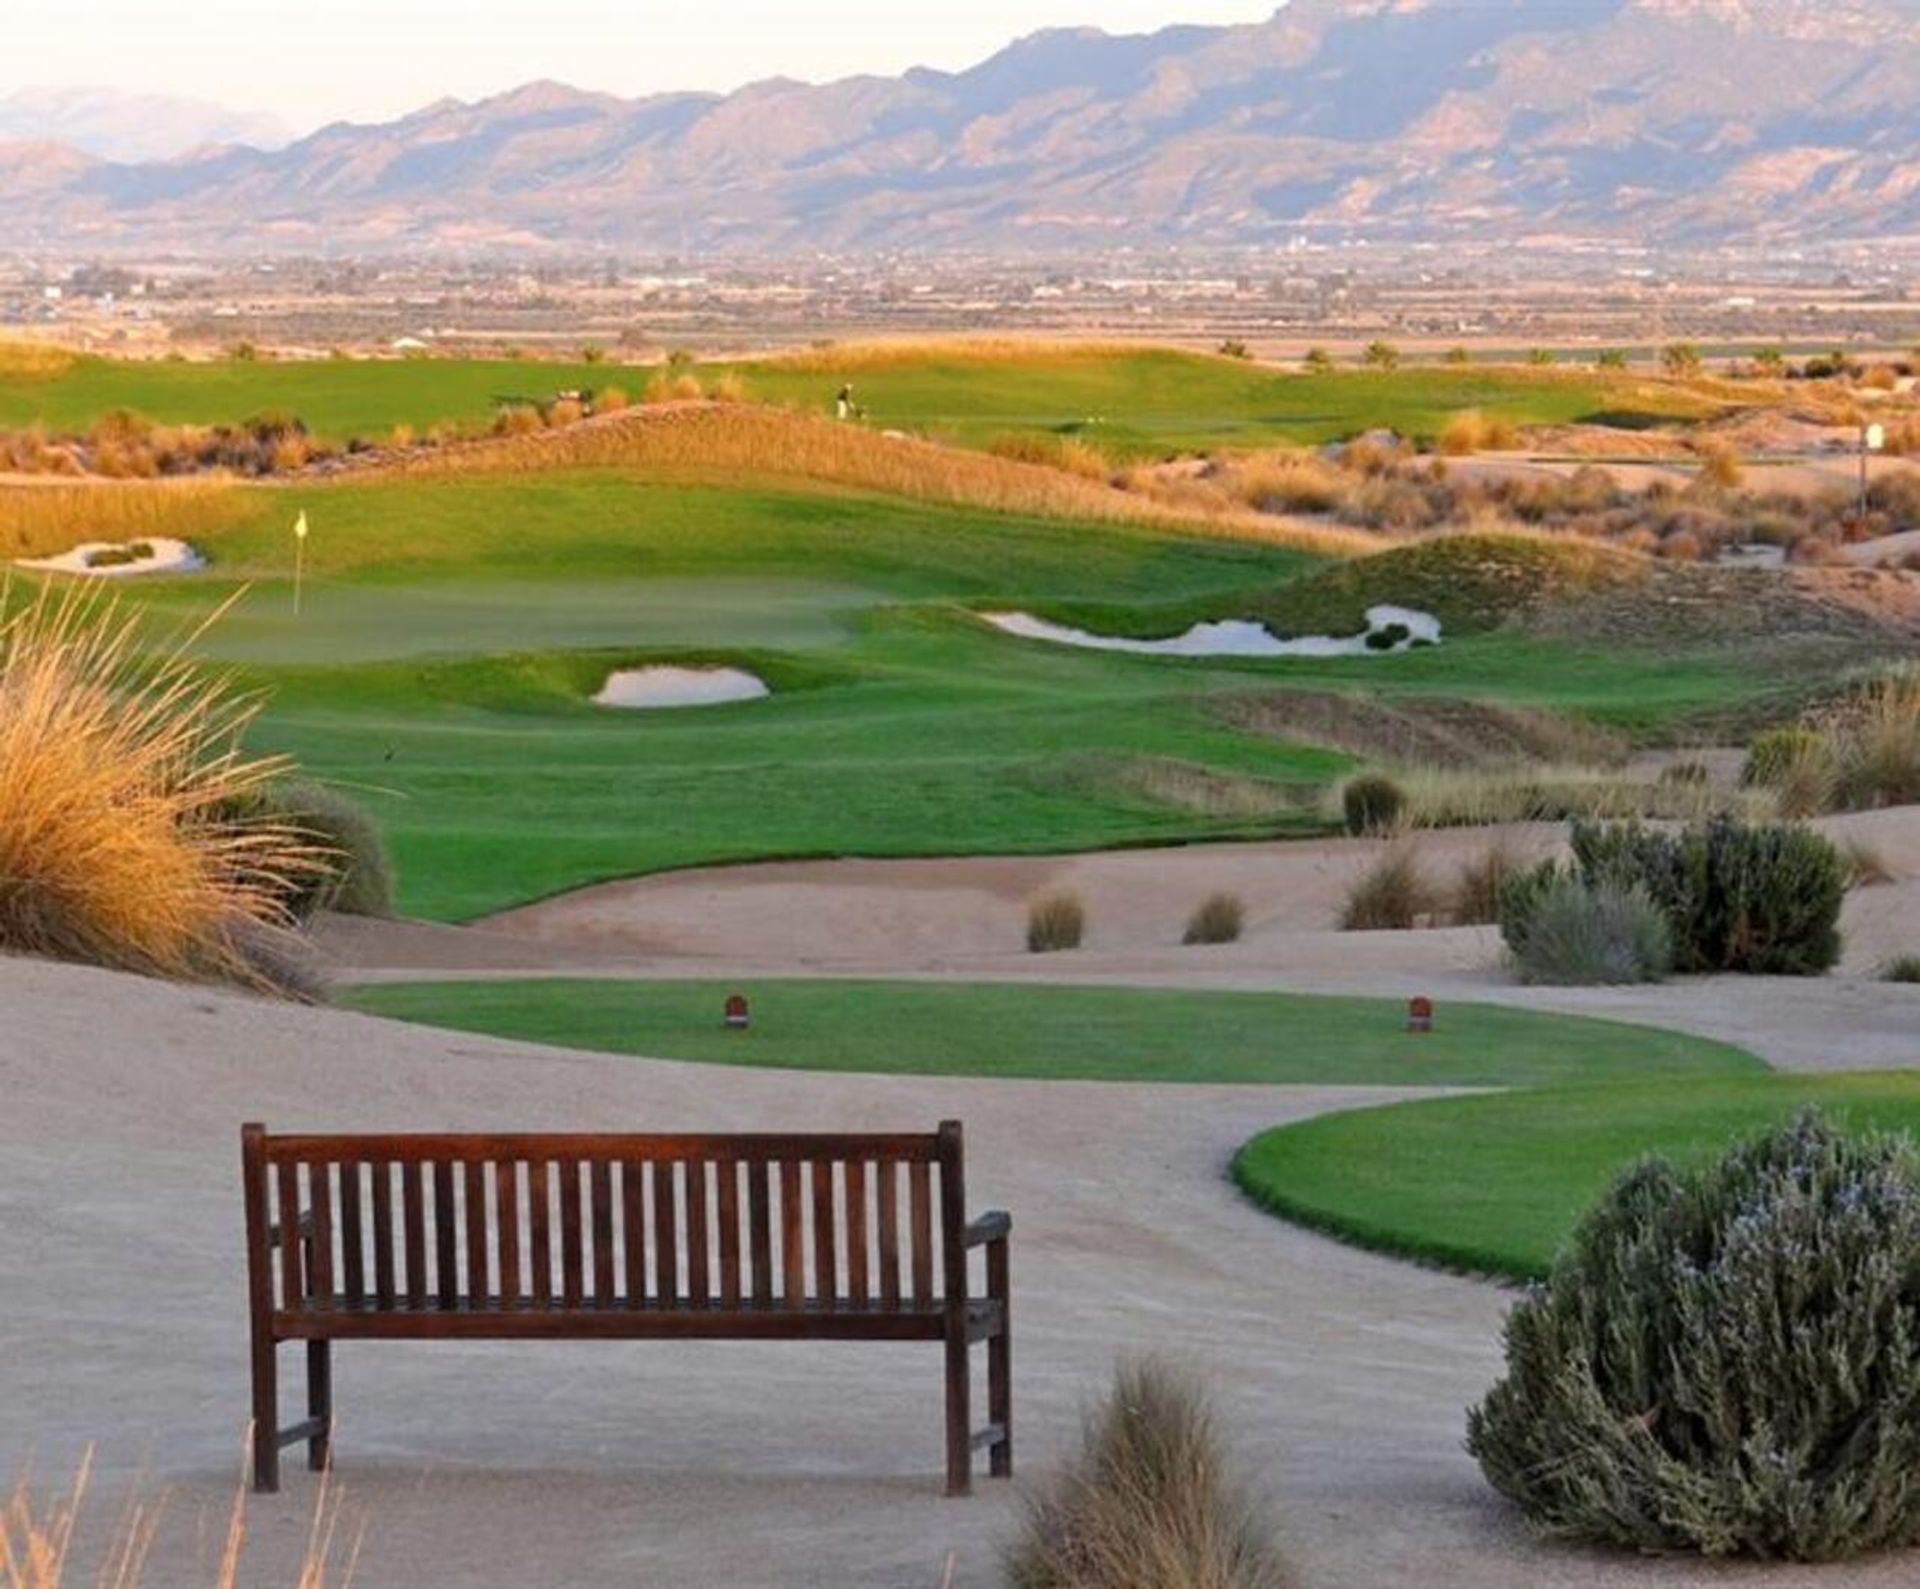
x,y
1667,120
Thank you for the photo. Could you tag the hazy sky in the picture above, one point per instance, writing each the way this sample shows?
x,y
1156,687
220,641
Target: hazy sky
x,y
372,59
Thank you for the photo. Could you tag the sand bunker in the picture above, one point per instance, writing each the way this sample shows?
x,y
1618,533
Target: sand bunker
x,y
1388,629
646,688
154,554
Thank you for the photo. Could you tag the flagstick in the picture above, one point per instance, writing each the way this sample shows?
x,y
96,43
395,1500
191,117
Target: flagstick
x,y
299,570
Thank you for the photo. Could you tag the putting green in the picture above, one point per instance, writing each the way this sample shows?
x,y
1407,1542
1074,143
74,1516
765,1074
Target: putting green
x,y
1496,1183
1057,1033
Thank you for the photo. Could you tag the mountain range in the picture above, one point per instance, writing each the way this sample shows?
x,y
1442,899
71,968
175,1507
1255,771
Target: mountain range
x,y
1677,122
109,124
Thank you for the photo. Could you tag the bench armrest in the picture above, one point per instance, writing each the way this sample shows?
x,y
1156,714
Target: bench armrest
x,y
992,1227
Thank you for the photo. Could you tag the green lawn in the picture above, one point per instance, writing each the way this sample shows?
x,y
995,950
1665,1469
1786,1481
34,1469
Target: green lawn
x,y
1057,1033
1143,401
1495,1183
453,632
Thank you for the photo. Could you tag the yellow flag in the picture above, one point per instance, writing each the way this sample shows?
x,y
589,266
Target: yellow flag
x,y
300,527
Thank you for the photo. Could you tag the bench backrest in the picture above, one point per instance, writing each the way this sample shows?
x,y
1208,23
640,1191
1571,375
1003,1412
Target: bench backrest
x,y
796,1223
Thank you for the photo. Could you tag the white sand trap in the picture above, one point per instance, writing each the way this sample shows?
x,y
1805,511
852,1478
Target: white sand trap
x,y
102,559
1234,637
647,688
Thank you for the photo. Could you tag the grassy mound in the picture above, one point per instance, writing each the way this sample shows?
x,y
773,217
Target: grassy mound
x,y
1495,1184
1056,1033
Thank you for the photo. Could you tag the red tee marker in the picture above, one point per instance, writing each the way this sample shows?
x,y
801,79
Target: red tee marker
x,y
1420,1014
736,1017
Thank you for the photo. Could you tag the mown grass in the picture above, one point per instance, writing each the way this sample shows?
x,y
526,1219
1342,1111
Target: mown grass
x,y
1056,1033
1129,401
1495,1184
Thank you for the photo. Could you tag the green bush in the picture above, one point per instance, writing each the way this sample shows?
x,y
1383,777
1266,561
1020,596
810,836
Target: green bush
x,y
1575,933
1759,899
1219,918
1373,803
1055,922
1725,1359
1901,968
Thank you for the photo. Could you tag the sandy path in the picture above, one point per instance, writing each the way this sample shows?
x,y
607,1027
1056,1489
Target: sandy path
x,y
1342,1375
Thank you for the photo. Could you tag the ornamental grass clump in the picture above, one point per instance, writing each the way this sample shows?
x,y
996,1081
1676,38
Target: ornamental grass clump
x,y
1150,1501
1726,1359
119,775
1056,922
1219,918
1578,934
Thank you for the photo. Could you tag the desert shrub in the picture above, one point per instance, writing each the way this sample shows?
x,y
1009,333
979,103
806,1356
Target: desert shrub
x,y
359,879
1878,744
1148,1502
1219,918
1725,1359
1564,931
1720,468
566,411
1687,771
1798,765
1481,882
1470,431
1772,751
1760,899
610,400
1317,361
1379,355
1372,803
1391,895
116,774
1901,968
1054,922
518,419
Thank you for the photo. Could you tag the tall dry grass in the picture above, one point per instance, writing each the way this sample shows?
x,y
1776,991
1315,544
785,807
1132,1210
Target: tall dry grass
x,y
44,520
40,361
725,441
1150,1502
1442,797
40,1539
117,774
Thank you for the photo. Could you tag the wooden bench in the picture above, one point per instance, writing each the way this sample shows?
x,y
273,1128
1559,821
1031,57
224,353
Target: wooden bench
x,y
548,1237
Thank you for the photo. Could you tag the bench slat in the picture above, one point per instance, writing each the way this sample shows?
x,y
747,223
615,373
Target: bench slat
x,y
699,1284
919,1181
600,1178
478,1282
353,1259
572,1280
856,1184
727,1185
506,1202
413,1192
633,1229
793,1236
760,1197
826,1268
446,1239
320,1255
540,1221
293,1284
887,1191
383,1232
666,1249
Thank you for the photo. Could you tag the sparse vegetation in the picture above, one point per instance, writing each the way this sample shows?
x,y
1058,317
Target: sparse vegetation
x,y
1219,918
1481,883
1055,922
1726,1359
1901,968
1392,895
115,774
1149,1502
1373,804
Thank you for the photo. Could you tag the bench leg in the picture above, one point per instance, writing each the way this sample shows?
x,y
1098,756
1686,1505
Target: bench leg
x,y
1000,1367
266,1414
320,1402
959,1409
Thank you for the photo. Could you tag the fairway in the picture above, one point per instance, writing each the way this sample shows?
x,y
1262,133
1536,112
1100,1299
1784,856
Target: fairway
x,y
1496,1183
1057,1033
1144,402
